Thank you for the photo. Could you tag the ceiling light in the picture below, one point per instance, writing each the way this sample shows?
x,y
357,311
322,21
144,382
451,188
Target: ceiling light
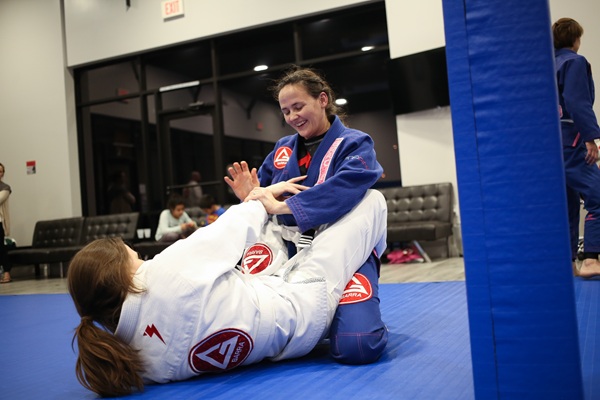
x,y
341,102
260,68
367,48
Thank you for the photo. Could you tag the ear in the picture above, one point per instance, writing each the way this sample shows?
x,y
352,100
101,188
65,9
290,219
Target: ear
x,y
323,99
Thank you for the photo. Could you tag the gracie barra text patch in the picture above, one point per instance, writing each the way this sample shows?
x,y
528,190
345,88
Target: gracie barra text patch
x,y
282,156
256,259
357,290
220,351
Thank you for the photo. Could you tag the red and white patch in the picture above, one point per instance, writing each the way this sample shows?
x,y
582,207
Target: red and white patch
x,y
220,351
357,290
256,258
282,156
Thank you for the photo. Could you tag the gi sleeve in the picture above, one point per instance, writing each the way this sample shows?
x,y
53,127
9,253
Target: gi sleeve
x,y
579,98
216,249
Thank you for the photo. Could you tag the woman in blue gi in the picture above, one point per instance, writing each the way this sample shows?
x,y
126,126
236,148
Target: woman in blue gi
x,y
190,311
579,131
339,165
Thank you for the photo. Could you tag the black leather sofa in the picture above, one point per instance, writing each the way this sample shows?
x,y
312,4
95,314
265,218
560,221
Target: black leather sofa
x,y
56,241
420,213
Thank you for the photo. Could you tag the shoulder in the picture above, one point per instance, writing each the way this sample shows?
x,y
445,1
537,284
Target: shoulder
x,y
287,140
165,213
4,186
341,130
569,57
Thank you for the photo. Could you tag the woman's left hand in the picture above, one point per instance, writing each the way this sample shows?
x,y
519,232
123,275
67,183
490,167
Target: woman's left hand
x,y
268,200
290,186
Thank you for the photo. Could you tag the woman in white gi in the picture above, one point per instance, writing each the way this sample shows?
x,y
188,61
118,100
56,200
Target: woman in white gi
x,y
189,310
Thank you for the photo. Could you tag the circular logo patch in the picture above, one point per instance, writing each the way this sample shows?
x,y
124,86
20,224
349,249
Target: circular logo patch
x,y
282,156
256,259
220,351
357,290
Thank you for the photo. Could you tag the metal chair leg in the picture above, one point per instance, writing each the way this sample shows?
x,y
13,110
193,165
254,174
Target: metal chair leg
x,y
422,252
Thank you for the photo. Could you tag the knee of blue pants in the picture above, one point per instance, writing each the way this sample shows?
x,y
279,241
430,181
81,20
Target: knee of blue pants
x,y
358,334
359,347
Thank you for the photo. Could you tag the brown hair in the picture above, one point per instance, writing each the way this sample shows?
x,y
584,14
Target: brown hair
x,y
314,84
99,279
565,32
175,200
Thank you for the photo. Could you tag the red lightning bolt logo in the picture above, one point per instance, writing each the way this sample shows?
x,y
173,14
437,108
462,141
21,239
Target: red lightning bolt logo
x,y
151,330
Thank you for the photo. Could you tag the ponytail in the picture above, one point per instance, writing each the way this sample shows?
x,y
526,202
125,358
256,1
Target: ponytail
x,y
106,365
99,280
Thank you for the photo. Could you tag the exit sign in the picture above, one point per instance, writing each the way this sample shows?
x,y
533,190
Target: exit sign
x,y
171,8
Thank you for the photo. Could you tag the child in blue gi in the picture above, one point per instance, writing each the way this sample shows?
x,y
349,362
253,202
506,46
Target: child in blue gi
x,y
338,165
579,131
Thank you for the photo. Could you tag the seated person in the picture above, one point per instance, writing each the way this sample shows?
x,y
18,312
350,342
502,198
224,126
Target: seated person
x,y
192,303
209,206
174,223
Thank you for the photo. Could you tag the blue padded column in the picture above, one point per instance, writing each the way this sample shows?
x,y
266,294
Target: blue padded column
x,y
511,186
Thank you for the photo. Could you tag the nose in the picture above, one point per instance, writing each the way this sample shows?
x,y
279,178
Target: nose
x,y
292,116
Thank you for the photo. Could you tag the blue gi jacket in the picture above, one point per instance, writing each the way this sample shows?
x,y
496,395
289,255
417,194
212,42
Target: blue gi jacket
x,y
576,97
342,169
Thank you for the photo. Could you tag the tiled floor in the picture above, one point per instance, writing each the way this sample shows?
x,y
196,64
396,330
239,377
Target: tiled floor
x,y
452,269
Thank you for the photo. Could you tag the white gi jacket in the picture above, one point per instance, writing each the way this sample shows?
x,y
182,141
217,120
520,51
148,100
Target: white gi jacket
x,y
198,313
197,307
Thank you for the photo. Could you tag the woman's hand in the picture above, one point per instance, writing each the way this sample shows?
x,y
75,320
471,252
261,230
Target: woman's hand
x,y
242,180
268,200
271,197
592,152
290,186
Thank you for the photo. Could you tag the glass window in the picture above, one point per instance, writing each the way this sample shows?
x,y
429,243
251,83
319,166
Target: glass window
x,y
178,65
241,52
361,80
346,32
109,81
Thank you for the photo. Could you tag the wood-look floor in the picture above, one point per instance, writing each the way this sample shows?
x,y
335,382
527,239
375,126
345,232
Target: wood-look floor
x,y
451,269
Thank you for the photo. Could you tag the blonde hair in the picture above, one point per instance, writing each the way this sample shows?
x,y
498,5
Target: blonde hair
x,y
99,279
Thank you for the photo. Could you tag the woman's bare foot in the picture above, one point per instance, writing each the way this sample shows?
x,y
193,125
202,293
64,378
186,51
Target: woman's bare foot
x,y
6,278
589,268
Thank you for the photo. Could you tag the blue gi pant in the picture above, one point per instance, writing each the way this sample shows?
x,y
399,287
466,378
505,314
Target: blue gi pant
x,y
357,334
582,179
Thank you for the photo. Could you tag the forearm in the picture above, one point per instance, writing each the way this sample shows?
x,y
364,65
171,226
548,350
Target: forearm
x,y
4,196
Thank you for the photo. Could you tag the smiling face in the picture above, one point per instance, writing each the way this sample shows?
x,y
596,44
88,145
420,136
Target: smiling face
x,y
303,112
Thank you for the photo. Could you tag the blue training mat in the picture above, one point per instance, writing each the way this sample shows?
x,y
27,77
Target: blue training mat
x,y
427,357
